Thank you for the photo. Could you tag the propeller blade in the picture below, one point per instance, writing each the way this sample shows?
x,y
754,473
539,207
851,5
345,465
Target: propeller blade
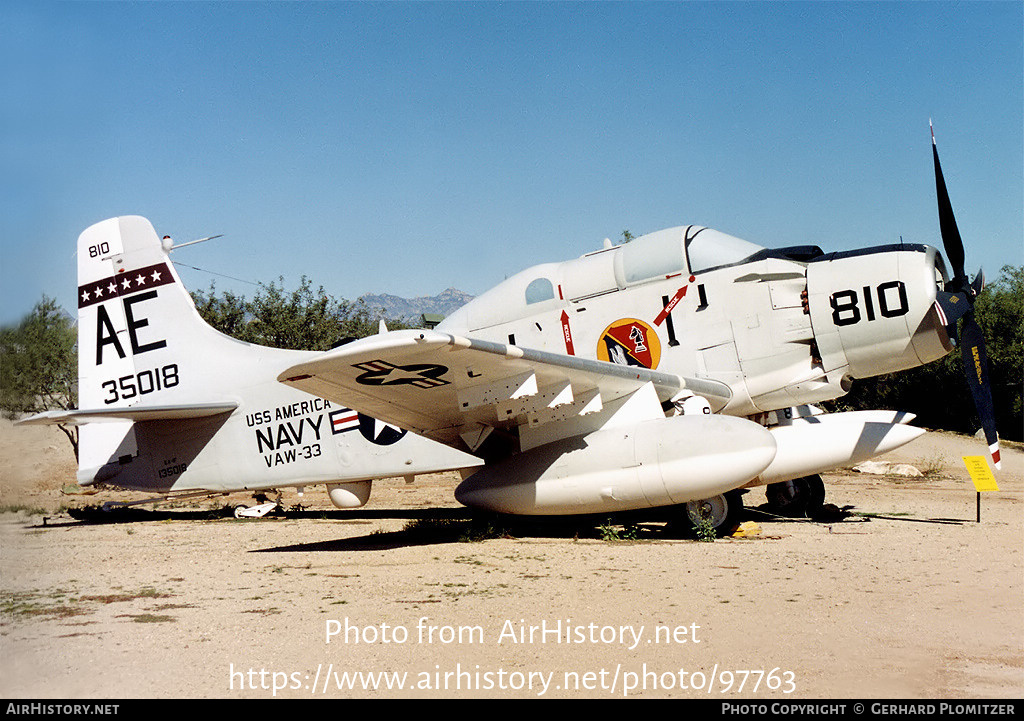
x,y
978,284
952,307
951,241
975,360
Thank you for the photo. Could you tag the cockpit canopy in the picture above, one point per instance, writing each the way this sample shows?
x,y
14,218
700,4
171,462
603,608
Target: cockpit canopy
x,y
686,249
682,250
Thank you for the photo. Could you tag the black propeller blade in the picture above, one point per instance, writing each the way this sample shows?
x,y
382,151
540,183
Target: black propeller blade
x,y
951,241
957,302
975,359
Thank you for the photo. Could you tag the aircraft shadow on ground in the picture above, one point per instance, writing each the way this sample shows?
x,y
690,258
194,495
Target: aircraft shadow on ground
x,y
427,526
462,526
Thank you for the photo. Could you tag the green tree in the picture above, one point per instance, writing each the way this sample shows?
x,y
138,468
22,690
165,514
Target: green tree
x,y
225,312
39,365
303,319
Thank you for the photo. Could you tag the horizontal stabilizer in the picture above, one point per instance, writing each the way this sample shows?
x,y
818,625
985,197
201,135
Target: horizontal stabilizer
x,y
131,413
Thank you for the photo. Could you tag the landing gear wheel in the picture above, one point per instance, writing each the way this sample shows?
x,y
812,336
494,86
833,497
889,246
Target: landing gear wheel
x,y
718,513
799,498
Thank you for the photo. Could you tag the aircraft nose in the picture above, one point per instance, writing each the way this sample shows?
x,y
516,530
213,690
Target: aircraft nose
x,y
874,310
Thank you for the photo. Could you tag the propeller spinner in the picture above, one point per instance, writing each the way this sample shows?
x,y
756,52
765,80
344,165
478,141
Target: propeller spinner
x,y
956,302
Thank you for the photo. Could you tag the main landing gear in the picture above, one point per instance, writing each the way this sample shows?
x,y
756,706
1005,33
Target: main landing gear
x,y
799,498
718,513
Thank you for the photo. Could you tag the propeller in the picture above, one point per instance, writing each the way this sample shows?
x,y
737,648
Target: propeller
x,y
956,302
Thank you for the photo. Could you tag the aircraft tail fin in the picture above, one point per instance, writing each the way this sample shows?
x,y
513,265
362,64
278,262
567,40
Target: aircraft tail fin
x,y
169,403
144,352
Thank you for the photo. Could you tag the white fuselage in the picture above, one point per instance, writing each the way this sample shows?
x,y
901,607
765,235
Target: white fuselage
x,y
777,330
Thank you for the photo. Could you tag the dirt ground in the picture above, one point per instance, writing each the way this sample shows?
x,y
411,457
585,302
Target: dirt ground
x,y
906,597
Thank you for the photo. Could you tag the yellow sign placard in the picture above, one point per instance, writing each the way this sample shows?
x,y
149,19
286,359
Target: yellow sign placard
x,y
981,474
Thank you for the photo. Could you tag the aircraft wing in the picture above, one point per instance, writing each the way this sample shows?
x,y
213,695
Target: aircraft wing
x,y
456,390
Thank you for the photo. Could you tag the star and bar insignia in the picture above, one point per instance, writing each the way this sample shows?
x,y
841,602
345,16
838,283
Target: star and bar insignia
x,y
420,375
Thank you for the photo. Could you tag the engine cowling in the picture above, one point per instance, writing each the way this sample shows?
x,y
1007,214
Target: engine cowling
x,y
657,462
873,310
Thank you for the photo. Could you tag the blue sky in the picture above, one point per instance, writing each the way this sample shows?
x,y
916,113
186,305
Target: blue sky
x,y
409,147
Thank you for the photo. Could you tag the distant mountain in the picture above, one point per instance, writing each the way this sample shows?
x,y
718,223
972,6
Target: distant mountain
x,y
410,309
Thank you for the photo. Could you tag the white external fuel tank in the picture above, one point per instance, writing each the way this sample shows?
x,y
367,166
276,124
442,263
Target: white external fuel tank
x,y
817,443
657,462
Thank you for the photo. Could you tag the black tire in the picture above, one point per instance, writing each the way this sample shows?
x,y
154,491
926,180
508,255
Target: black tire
x,y
723,513
799,498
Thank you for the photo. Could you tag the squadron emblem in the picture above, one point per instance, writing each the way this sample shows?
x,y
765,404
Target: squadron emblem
x,y
630,342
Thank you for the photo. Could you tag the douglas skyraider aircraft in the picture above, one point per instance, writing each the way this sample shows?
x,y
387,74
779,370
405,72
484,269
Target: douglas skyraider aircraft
x,y
673,370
